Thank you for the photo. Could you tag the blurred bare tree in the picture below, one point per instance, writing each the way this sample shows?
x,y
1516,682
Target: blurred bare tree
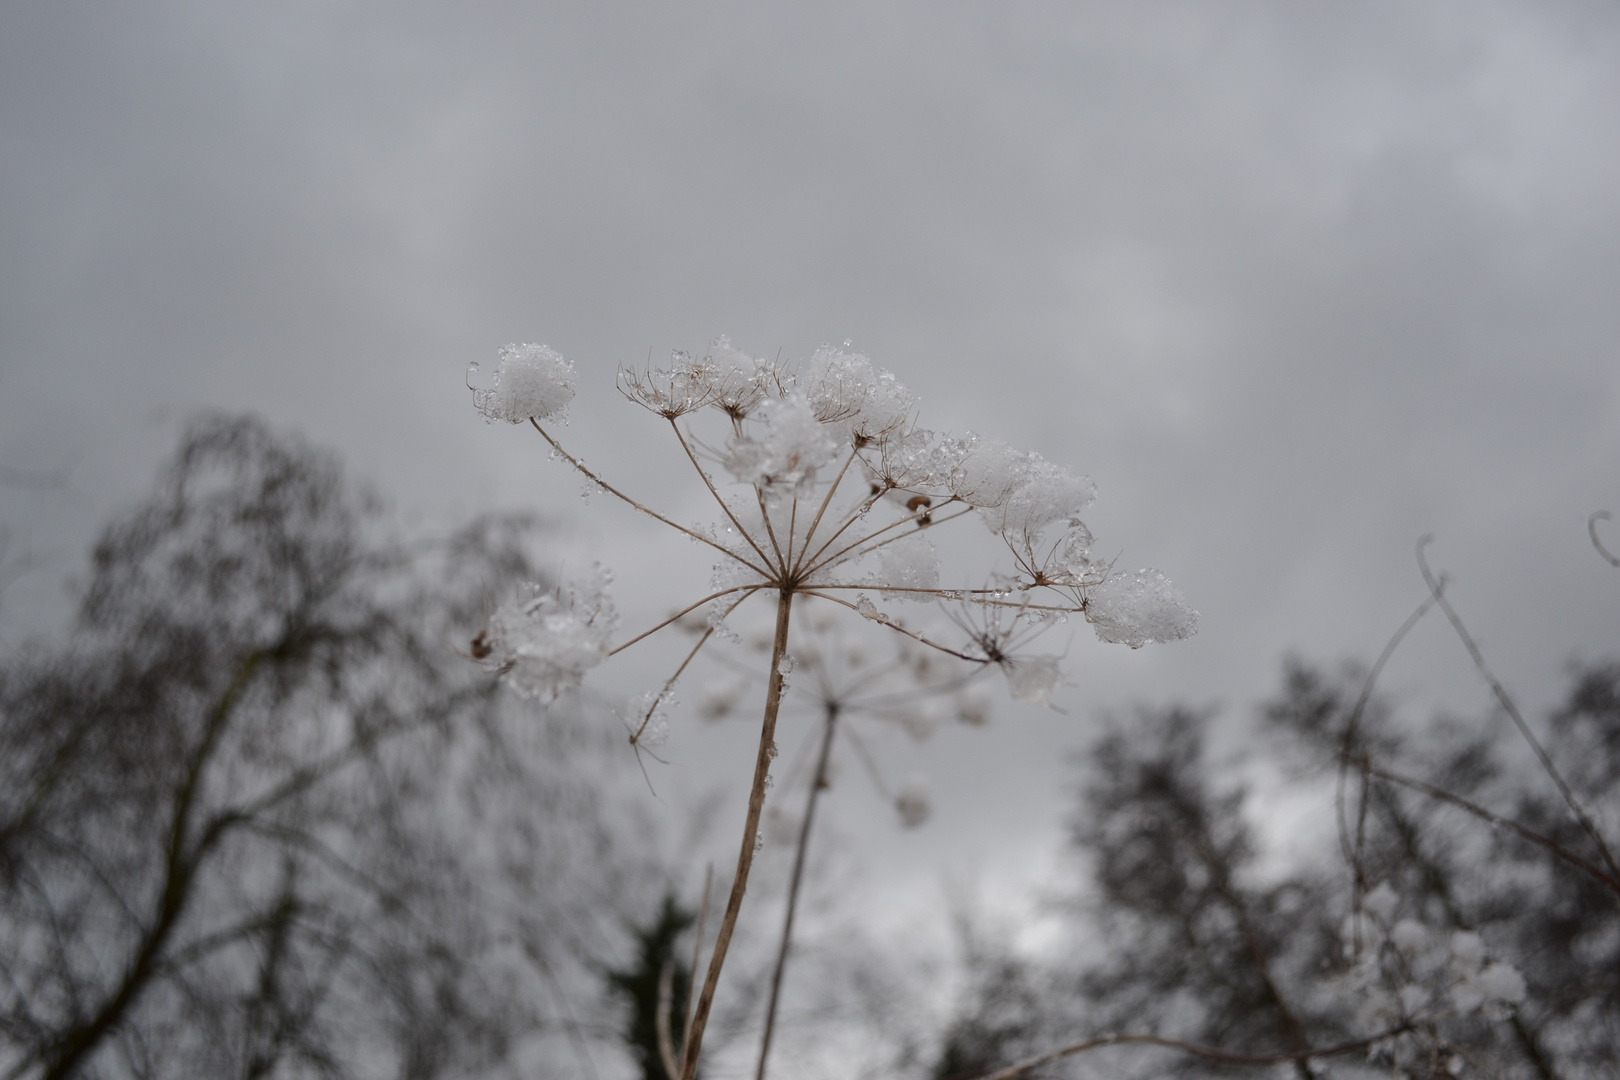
x,y
1460,846
259,819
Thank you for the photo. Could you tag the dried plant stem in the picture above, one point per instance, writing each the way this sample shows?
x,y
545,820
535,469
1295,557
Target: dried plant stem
x,y
745,856
818,562
616,493
817,782
747,590
724,509
896,626
815,522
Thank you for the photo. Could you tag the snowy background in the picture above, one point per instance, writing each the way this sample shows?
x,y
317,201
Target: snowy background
x,y
1296,284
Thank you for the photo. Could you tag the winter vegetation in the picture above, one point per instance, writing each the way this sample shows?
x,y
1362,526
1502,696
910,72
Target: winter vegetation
x,y
837,495
302,797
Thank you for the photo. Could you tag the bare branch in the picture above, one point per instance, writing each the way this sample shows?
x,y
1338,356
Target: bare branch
x,y
1609,880
1437,590
1591,529
1211,1053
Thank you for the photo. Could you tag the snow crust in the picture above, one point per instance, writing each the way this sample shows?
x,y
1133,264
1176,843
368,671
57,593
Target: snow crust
x,y
1135,609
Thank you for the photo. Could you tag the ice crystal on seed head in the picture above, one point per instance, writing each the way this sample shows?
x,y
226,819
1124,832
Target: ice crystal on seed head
x,y
1135,609
542,643
530,381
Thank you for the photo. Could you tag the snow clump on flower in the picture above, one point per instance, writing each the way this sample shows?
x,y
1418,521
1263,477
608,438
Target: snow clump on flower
x,y
542,643
987,471
783,460
1040,493
1135,609
530,381
847,389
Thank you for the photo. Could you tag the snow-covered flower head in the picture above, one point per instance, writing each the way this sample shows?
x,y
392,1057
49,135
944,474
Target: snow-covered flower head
x,y
1137,608
782,459
543,642
847,389
531,381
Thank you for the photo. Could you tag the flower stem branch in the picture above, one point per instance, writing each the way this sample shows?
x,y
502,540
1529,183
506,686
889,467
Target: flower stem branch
x,y
745,856
817,782
616,493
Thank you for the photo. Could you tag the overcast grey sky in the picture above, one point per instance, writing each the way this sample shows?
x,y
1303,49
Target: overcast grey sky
x,y
1296,283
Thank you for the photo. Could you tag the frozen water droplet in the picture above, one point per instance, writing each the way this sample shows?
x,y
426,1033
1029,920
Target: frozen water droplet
x,y
770,752
770,781
759,839
784,666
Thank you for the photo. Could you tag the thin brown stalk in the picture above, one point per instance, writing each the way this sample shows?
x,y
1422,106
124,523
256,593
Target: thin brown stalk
x,y
817,782
616,493
854,516
745,856
697,955
1022,1068
724,509
770,530
892,625
688,609
1436,588
815,522
832,559
669,683
792,531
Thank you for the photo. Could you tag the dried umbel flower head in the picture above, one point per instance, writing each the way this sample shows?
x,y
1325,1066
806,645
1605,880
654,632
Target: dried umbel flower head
x,y
835,486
